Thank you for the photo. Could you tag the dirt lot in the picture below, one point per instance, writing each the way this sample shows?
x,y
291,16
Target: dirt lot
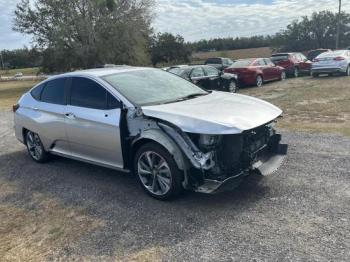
x,y
66,210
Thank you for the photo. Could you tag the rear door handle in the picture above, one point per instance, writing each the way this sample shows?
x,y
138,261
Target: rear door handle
x,y
70,115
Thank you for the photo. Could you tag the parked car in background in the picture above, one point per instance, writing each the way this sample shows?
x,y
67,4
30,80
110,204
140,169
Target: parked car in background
x,y
219,63
18,75
207,77
295,64
256,71
170,133
334,62
314,53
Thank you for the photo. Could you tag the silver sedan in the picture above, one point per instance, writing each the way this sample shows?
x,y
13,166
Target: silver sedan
x,y
170,133
333,62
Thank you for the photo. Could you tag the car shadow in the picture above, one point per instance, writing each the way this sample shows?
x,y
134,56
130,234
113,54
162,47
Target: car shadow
x,y
118,200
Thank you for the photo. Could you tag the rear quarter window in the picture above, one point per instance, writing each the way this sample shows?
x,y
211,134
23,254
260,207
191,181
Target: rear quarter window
x,y
36,92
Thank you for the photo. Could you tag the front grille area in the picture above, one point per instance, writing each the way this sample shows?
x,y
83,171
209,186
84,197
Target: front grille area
x,y
239,152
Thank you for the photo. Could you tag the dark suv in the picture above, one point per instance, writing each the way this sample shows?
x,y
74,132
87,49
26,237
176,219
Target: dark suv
x,y
294,63
219,63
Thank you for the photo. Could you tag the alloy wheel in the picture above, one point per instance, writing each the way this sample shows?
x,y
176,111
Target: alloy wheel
x,y
34,145
259,81
232,87
296,72
154,173
283,76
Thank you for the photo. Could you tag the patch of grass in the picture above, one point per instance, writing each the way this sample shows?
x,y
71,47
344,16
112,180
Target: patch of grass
x,y
11,91
313,105
30,71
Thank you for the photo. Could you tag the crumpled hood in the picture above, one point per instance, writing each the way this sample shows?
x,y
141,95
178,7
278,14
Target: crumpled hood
x,y
216,113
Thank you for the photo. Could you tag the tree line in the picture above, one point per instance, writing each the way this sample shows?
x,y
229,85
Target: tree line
x,y
78,34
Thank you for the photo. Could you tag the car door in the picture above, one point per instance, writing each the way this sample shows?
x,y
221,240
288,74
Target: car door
x,y
93,123
198,77
261,65
305,64
273,70
49,111
213,76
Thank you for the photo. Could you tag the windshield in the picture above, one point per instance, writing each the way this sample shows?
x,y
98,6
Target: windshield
x,y
152,86
242,63
213,61
277,58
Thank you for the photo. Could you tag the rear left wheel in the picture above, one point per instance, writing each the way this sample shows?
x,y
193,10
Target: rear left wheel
x,y
296,72
283,76
35,147
232,87
157,172
259,81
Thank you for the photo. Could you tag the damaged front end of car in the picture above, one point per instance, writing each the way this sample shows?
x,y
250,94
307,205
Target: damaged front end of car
x,y
214,163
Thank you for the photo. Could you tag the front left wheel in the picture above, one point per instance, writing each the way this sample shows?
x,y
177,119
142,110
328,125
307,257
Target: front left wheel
x,y
157,172
35,147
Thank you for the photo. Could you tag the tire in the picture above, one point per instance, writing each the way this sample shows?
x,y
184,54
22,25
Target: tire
x,y
315,75
259,81
232,87
162,183
283,76
296,72
35,147
347,73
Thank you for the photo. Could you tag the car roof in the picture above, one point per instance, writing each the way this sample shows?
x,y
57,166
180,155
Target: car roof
x,y
99,72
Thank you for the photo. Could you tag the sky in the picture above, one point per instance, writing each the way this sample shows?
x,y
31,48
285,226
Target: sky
x,y
202,19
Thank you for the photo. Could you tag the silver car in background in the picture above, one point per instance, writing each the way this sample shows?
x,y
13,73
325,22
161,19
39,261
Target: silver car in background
x,y
170,133
333,62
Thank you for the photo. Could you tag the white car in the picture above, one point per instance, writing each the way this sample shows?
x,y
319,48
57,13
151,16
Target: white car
x,y
333,62
170,133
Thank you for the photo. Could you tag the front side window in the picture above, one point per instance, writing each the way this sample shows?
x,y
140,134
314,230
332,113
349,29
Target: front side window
x,y
211,71
152,86
53,92
87,93
197,72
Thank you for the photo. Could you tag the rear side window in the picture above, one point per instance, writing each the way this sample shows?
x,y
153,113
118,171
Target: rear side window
x,y
87,93
53,92
36,92
278,58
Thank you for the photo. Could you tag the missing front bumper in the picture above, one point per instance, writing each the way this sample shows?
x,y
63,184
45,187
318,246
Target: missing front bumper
x,y
266,166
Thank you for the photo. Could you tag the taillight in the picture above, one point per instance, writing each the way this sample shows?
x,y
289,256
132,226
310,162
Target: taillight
x,y
15,107
339,58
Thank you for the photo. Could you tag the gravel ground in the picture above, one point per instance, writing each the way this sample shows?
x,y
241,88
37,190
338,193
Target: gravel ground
x,y
301,213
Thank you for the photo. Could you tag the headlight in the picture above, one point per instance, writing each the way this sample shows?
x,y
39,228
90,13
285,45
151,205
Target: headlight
x,y
208,141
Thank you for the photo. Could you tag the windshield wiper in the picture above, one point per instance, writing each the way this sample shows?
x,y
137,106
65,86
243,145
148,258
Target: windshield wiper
x,y
190,96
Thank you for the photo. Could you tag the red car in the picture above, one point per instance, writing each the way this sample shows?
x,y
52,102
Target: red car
x,y
294,63
256,71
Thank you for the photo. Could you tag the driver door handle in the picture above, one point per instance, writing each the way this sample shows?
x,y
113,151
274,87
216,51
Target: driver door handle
x,y
70,115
